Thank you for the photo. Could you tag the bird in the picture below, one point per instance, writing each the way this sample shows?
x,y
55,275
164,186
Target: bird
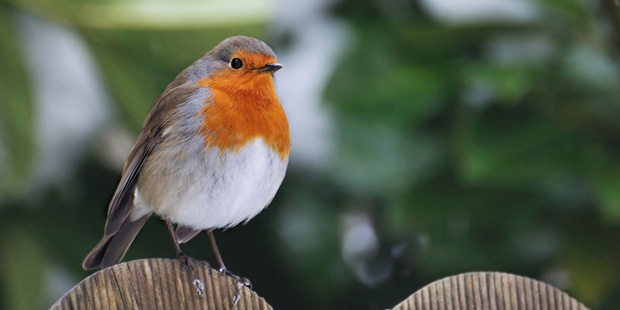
x,y
212,152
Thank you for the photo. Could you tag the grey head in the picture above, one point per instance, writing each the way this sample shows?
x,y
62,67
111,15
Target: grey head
x,y
228,47
235,53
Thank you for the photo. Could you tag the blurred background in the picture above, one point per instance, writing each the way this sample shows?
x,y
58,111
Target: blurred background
x,y
430,138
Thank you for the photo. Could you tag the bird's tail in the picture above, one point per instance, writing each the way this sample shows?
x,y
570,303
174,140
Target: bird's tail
x,y
112,247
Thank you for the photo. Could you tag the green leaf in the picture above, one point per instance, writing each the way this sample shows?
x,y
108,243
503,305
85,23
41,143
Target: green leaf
x,y
376,82
374,157
517,148
503,84
16,128
151,14
604,173
22,261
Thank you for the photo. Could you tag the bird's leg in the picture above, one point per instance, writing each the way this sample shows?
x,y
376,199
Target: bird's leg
x,y
241,282
184,259
223,269
216,251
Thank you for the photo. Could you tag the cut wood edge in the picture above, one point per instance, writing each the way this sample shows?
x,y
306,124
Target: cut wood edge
x,y
159,284
489,291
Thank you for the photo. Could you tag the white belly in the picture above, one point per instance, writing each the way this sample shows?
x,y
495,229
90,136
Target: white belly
x,y
208,189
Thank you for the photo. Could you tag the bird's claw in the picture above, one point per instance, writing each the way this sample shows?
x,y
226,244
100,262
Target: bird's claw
x,y
240,283
188,262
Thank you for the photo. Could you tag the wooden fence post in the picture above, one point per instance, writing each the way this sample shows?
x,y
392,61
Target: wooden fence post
x,y
489,291
166,284
159,284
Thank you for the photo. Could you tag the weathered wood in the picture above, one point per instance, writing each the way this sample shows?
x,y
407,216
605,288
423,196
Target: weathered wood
x,y
489,291
166,284
158,284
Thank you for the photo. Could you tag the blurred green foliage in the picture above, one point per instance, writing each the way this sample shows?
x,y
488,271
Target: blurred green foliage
x,y
510,132
478,146
15,111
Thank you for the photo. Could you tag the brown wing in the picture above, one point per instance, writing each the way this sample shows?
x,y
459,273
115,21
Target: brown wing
x,y
119,229
122,202
154,125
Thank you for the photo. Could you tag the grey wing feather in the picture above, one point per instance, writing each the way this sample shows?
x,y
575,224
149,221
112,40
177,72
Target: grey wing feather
x,y
184,233
122,202
121,205
120,229
111,249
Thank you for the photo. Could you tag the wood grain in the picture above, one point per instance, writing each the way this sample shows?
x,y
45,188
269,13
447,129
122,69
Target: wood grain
x,y
489,291
166,284
158,284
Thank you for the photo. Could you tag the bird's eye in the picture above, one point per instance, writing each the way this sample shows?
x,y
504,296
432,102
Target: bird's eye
x,y
236,63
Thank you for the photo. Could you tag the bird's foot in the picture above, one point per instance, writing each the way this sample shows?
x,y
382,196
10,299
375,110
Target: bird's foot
x,y
240,283
188,262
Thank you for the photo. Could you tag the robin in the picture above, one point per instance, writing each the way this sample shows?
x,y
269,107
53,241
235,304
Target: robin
x,y
212,152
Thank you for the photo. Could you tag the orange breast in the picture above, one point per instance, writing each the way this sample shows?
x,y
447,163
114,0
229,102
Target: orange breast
x,y
244,107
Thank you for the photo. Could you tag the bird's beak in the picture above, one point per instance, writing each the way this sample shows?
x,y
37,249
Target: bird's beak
x,y
270,68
